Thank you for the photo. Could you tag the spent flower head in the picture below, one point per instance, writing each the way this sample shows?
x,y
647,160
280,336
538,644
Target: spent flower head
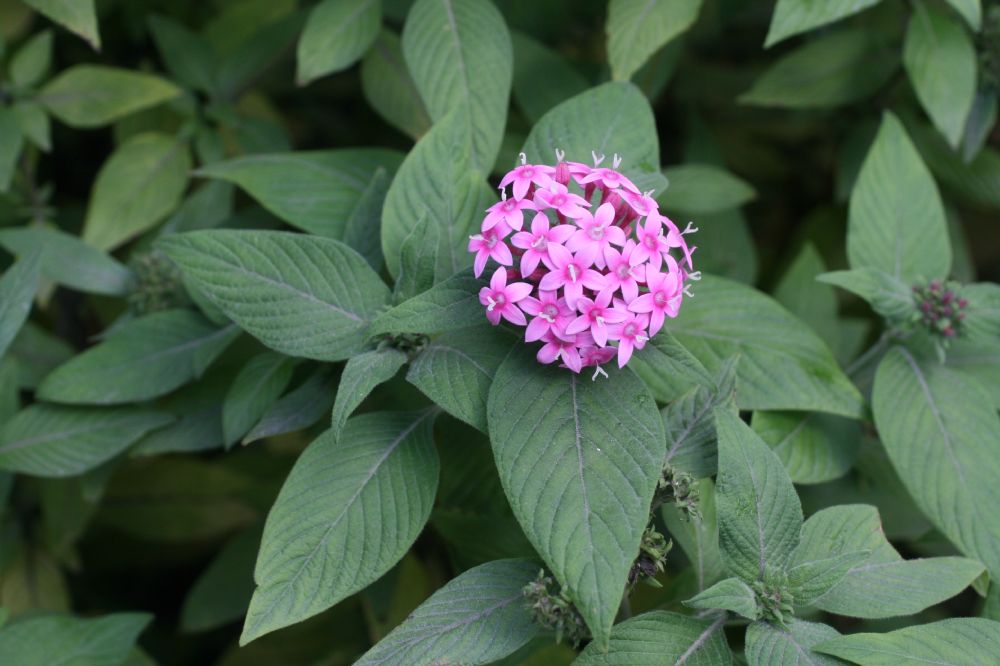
x,y
599,268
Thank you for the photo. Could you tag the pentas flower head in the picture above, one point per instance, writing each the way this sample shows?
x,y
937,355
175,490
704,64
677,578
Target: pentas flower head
x,y
598,277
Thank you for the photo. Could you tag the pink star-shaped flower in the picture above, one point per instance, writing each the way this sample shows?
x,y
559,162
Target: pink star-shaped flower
x,y
595,234
536,242
490,244
595,315
663,299
631,334
555,348
551,315
610,179
500,298
560,198
526,174
508,211
621,273
652,243
569,272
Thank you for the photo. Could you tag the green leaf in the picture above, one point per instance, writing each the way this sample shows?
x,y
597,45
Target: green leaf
x,y
669,369
971,11
137,187
142,359
811,577
51,639
889,296
792,17
759,512
327,291
32,61
348,511
265,46
456,370
336,35
813,447
811,301
941,62
883,584
36,352
300,409
897,222
478,617
223,590
966,641
832,70
389,88
318,191
791,645
938,427
87,96
447,306
418,259
197,424
579,462
978,126
256,387
17,291
11,143
77,16
639,28
977,182
189,56
51,441
68,261
535,94
659,637
783,364
698,535
690,423
610,118
460,56
436,181
34,123
731,594
703,188
360,377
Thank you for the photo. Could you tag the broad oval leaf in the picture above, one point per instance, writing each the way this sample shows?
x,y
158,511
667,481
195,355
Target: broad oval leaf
x,y
389,88
610,118
792,17
328,294
299,409
897,222
971,11
813,447
792,645
144,358
258,384
703,188
535,94
94,95
223,590
448,306
67,260
940,60
78,16
461,59
758,511
361,375
883,584
336,35
318,191
436,180
639,28
783,363
137,187
11,143
17,291
939,429
731,594
350,509
579,461
965,641
478,617
660,637
50,639
456,370
51,441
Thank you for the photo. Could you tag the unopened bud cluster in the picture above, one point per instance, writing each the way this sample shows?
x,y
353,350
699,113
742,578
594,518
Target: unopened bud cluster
x,y
774,600
652,560
940,308
679,488
552,610
158,284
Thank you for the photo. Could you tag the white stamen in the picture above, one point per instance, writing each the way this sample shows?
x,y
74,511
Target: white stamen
x,y
597,160
572,272
547,317
600,320
648,193
690,229
560,155
642,338
503,195
616,161
476,237
687,290
598,370
523,158
694,276
492,304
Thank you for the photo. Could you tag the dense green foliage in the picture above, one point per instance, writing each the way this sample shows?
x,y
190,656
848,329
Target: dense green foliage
x,y
252,413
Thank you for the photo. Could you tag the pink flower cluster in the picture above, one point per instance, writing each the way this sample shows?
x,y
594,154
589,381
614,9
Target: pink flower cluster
x,y
597,277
